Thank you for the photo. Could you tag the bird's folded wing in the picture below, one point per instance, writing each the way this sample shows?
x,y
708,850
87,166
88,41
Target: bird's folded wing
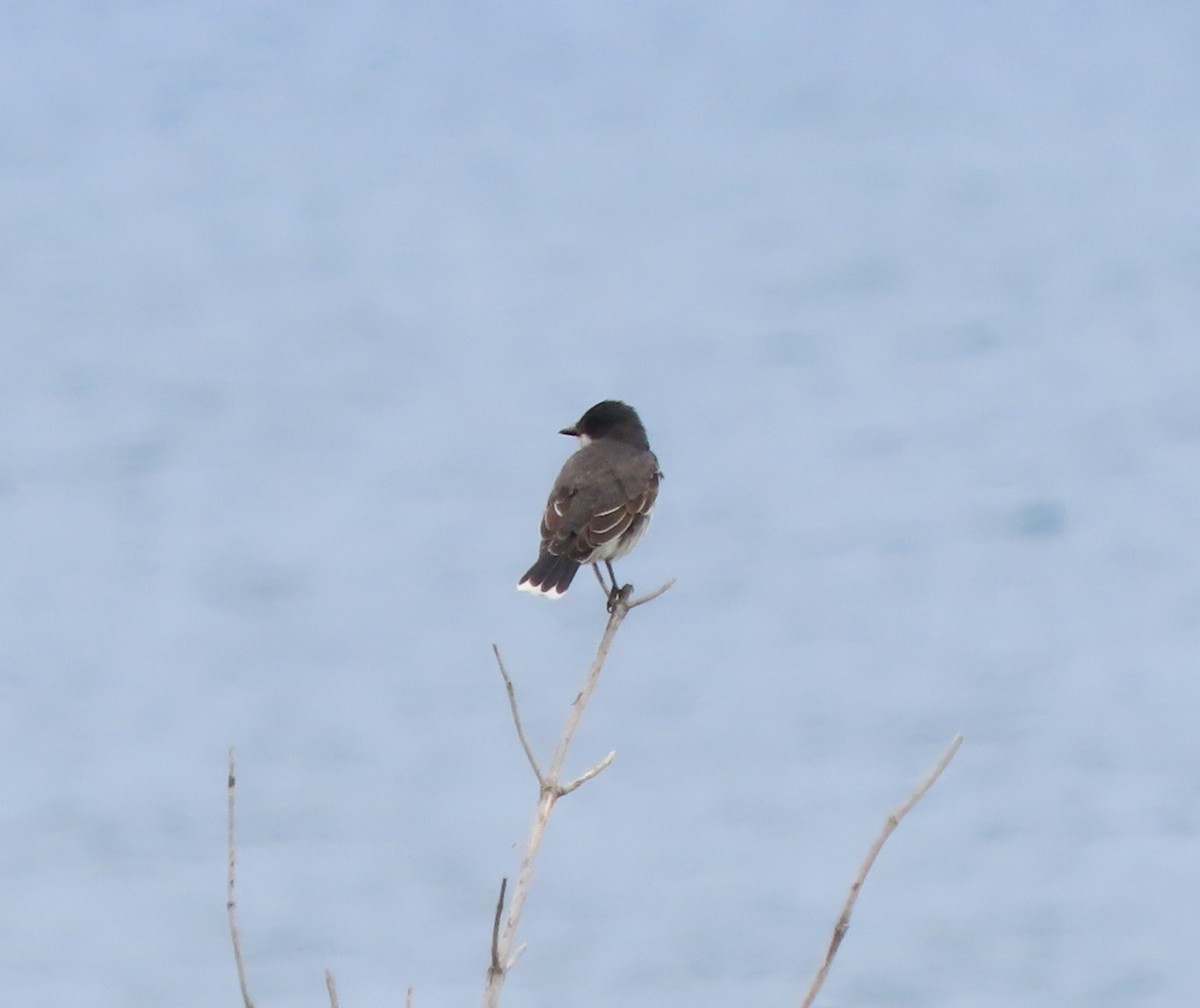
x,y
576,521
606,526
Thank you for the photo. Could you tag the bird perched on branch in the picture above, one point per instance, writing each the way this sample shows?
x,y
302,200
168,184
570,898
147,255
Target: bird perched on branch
x,y
601,502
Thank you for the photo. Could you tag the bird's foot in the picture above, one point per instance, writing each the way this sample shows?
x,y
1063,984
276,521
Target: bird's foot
x,y
619,596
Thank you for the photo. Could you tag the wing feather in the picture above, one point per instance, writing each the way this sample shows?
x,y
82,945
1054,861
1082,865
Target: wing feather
x,y
596,501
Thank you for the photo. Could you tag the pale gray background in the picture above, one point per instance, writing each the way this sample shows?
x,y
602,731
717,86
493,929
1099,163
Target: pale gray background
x,y
294,300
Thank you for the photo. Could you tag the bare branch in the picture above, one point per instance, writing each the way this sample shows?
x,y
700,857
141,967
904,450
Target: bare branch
x,y
332,988
579,781
502,958
516,715
652,595
927,783
496,967
889,826
408,998
231,891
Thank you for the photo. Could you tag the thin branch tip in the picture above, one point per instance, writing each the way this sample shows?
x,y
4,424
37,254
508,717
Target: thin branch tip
x,y
231,882
496,968
583,778
890,823
651,596
516,716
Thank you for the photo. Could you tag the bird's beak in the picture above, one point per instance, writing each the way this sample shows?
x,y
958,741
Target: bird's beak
x,y
570,431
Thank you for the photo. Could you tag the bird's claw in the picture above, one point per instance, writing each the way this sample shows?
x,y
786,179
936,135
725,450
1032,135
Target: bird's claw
x,y
619,595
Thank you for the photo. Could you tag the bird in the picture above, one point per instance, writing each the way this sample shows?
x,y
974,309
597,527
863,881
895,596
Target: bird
x,y
601,501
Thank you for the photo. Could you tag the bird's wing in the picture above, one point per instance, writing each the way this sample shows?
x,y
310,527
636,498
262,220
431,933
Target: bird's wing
x,y
612,523
591,505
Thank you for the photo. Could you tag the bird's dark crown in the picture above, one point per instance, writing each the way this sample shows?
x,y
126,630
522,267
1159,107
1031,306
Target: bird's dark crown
x,y
611,419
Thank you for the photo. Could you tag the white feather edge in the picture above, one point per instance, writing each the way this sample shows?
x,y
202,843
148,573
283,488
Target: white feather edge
x,y
552,593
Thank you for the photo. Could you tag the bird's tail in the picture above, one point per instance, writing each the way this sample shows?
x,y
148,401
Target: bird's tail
x,y
550,576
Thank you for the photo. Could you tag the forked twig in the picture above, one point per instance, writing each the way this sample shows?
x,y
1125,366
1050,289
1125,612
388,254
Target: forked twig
x,y
549,790
889,826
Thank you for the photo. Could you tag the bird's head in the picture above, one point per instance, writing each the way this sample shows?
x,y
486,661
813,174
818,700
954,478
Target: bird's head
x,y
609,419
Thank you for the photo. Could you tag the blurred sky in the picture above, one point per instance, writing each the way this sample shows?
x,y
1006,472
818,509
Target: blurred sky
x,y
294,303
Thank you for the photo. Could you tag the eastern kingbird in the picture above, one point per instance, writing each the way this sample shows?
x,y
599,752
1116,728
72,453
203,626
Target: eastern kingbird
x,y
601,501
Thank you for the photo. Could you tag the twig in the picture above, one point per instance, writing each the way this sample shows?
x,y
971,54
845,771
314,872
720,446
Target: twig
x,y
503,957
495,967
516,714
652,595
231,896
582,779
889,826
408,998
332,988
